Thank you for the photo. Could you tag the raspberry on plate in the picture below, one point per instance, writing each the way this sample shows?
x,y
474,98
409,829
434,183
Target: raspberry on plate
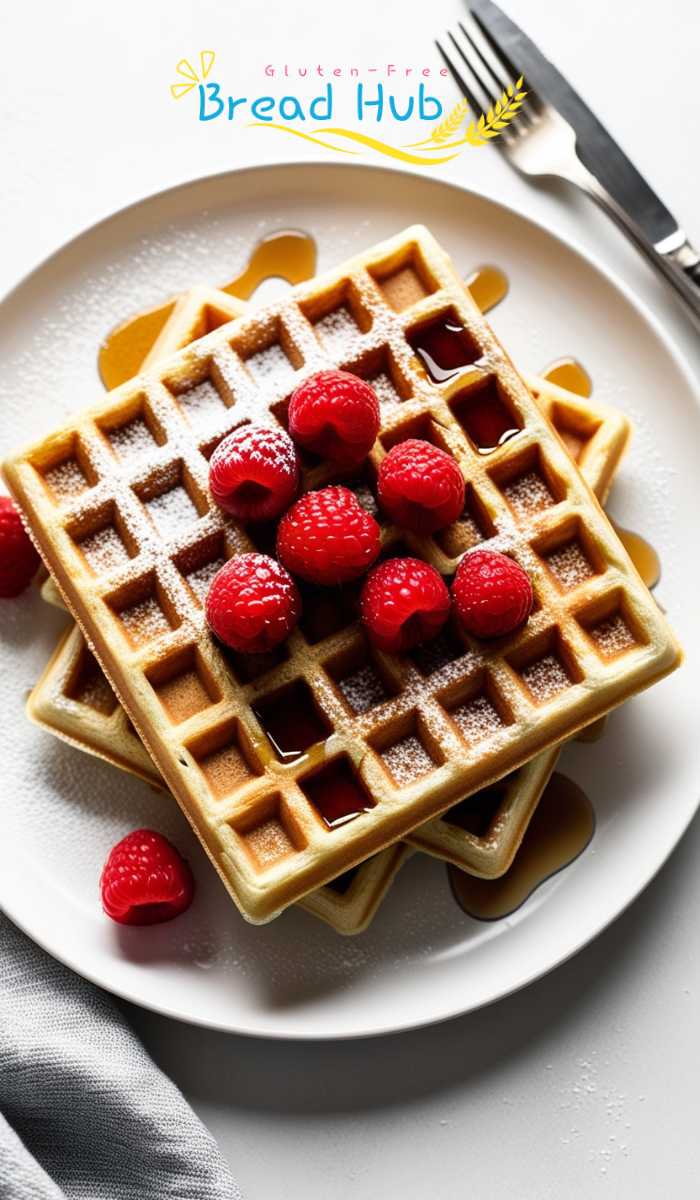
x,y
336,415
252,604
254,472
404,602
420,486
19,561
327,537
145,880
492,594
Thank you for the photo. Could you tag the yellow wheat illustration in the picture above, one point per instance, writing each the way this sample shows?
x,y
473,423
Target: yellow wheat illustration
x,y
497,118
444,131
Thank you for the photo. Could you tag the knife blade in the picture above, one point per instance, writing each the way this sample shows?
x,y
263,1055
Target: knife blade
x,y
596,148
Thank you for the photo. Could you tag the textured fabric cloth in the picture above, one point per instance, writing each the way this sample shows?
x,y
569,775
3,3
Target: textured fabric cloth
x,y
84,1112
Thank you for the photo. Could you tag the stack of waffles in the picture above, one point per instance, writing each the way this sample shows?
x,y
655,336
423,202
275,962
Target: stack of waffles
x,y
419,746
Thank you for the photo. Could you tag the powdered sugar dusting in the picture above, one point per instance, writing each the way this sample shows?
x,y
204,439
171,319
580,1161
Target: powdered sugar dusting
x,y
202,403
104,549
66,480
171,510
131,440
270,366
407,760
200,579
363,689
268,842
337,332
528,494
545,678
612,636
569,565
387,394
366,498
144,621
478,718
461,536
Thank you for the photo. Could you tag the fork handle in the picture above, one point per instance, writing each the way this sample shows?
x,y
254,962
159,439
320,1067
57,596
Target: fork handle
x,y
674,257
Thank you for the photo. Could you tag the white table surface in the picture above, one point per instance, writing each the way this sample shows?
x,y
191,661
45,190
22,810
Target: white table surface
x,y
585,1084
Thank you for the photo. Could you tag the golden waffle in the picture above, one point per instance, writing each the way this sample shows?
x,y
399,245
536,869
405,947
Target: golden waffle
x,y
131,563
482,834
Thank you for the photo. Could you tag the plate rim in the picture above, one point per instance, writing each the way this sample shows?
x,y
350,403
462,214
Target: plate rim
x,y
668,343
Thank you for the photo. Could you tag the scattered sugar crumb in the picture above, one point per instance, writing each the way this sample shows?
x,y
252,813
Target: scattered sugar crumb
x,y
528,494
171,510
477,719
612,636
66,480
569,565
363,689
545,678
337,332
131,440
270,366
104,549
144,621
407,760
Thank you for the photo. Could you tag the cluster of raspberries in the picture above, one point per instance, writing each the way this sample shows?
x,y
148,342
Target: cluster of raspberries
x,y
327,537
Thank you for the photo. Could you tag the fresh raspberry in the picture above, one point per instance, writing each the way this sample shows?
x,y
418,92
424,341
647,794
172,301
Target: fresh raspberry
x,y
145,880
252,603
336,415
492,594
420,487
327,537
404,601
254,472
19,560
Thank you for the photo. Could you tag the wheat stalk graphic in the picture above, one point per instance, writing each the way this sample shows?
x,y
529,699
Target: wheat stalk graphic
x,y
445,130
497,118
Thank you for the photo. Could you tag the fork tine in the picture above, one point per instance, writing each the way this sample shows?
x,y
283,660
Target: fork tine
x,y
474,102
499,55
481,100
488,78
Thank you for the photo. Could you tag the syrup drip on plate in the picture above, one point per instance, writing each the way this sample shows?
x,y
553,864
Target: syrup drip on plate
x,y
289,254
642,553
560,830
569,373
488,286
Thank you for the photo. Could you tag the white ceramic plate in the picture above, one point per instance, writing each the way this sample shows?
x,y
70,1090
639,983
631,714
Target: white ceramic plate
x,y
422,960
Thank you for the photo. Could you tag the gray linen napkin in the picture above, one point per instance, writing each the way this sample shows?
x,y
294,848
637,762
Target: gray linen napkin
x,y
84,1112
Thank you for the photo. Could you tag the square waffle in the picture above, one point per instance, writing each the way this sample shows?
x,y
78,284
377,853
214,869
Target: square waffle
x,y
117,502
480,834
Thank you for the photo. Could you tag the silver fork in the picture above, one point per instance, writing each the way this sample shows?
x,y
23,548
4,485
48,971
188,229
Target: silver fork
x,y
540,142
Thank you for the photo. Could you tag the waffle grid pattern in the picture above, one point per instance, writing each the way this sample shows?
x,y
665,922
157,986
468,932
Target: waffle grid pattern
x,y
595,434
145,618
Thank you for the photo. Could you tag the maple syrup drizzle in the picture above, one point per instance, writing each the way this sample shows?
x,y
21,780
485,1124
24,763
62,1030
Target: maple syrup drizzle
x,y
288,254
291,721
568,373
642,553
444,348
488,285
560,830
